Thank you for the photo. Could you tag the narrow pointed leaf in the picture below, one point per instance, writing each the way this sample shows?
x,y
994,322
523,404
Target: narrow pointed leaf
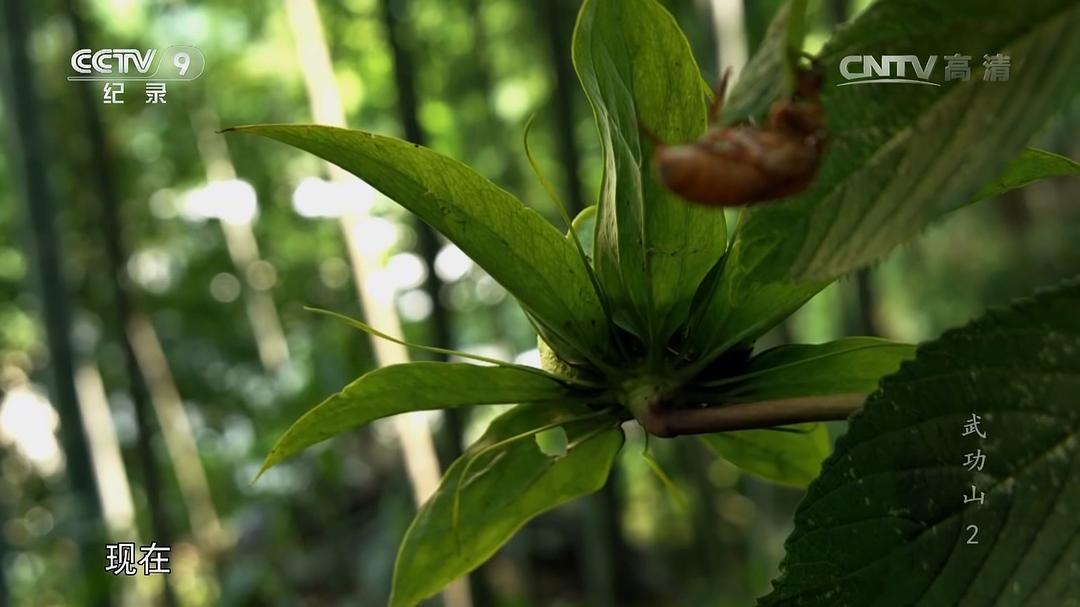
x,y
506,487
416,386
850,365
769,75
520,250
735,308
652,248
887,523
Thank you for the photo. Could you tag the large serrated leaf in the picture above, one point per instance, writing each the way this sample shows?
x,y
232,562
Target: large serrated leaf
x,y
521,250
902,155
505,488
783,254
887,523
652,248
414,386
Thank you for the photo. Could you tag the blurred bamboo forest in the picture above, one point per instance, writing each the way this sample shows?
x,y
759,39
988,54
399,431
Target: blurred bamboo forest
x,y
154,341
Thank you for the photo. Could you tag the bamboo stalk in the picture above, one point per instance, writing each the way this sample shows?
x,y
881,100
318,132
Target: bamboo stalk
x,y
179,437
729,21
116,502
243,248
26,120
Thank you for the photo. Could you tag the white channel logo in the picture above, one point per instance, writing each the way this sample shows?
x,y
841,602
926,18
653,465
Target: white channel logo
x,y
180,62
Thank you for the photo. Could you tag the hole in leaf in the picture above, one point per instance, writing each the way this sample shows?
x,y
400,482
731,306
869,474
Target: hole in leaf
x,y
552,442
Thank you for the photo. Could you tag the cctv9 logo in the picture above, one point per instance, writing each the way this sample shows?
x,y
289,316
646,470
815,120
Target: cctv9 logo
x,y
179,62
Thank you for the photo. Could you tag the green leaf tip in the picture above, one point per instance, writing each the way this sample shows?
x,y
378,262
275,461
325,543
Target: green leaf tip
x,y
672,490
527,255
415,386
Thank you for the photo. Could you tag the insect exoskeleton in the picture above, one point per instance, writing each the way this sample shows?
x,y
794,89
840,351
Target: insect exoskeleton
x,y
747,164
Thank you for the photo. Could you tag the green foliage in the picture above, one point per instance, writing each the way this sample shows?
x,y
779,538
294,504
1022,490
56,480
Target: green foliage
x,y
430,385
735,306
585,226
886,522
894,161
512,242
506,486
794,456
1030,166
657,315
900,157
652,249
854,364
769,75
789,456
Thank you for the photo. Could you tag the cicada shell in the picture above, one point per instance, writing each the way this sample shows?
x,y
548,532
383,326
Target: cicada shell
x,y
747,164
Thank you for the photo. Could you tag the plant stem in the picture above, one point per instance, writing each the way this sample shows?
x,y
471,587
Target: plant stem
x,y
668,423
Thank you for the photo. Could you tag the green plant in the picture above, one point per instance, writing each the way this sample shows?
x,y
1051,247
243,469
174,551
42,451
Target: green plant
x,y
648,311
